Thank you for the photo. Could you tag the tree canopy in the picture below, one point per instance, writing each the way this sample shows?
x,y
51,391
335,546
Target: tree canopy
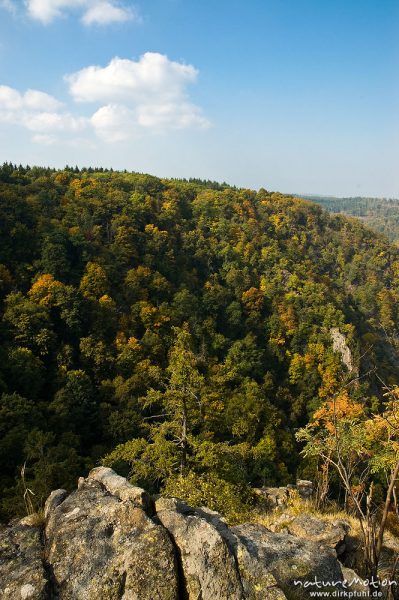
x,y
173,326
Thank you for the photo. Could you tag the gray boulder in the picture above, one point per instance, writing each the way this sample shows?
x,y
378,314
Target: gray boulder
x,y
329,533
291,560
276,497
22,574
121,488
279,497
257,581
208,567
305,488
102,547
355,584
55,498
108,541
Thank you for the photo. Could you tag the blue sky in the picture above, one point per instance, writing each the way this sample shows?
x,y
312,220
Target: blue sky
x,y
292,95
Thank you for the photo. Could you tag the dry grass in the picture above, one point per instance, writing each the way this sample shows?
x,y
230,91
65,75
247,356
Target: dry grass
x,y
297,506
275,519
35,519
280,518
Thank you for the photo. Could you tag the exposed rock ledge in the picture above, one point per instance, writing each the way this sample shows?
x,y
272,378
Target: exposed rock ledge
x,y
108,541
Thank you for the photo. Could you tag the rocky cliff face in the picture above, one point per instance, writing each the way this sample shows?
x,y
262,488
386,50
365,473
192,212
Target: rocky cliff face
x,y
108,540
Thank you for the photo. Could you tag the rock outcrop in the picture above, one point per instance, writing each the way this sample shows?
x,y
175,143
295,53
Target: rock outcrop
x,y
22,572
207,565
278,497
340,345
292,561
109,541
99,546
329,533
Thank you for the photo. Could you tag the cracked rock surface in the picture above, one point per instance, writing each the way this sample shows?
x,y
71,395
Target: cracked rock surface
x,y
22,574
108,541
329,533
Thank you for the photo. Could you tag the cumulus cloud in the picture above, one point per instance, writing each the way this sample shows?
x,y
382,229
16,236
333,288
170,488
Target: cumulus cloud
x,y
129,98
149,94
173,114
11,99
48,10
113,123
128,80
38,112
50,121
93,12
103,13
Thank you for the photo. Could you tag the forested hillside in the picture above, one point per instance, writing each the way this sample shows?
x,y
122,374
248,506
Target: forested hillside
x,y
169,327
380,214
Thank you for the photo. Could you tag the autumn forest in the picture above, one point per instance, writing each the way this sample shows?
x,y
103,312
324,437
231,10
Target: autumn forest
x,y
169,327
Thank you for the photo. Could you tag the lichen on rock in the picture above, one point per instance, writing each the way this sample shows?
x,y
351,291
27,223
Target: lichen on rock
x,y
22,573
107,540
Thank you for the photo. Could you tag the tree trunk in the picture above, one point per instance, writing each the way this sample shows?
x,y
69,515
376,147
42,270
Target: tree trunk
x,y
388,499
183,437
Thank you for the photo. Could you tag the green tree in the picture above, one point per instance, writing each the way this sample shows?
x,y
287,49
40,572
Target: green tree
x,y
359,447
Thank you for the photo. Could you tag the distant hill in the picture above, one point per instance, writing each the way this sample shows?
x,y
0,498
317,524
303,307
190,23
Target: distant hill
x,y
380,214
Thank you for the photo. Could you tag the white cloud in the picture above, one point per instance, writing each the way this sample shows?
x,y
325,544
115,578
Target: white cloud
x,y
128,80
171,115
149,94
48,10
35,100
11,99
38,112
103,13
113,123
132,97
93,12
50,122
